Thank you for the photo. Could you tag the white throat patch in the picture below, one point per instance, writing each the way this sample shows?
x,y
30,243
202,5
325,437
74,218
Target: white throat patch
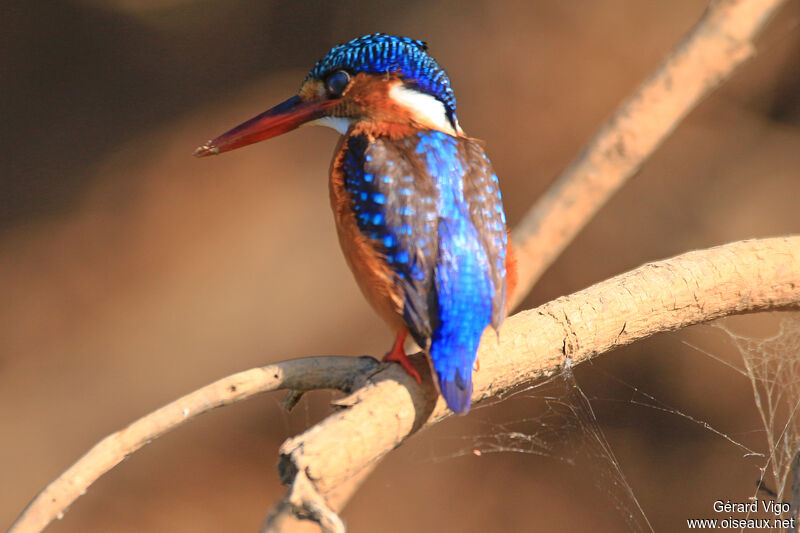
x,y
423,107
340,124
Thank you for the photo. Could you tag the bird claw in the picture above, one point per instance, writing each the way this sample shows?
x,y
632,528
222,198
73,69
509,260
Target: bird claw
x,y
398,355
405,362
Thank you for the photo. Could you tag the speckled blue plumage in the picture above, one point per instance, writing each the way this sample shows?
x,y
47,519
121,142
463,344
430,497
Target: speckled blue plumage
x,y
380,54
430,204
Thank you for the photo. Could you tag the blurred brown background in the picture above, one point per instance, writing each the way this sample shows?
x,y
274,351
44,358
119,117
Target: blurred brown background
x,y
132,273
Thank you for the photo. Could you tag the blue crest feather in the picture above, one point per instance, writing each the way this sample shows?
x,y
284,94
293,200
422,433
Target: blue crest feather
x,y
379,53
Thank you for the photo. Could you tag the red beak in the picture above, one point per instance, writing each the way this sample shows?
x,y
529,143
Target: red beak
x,y
284,117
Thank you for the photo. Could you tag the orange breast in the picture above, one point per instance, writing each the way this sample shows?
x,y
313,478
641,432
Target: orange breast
x,y
369,268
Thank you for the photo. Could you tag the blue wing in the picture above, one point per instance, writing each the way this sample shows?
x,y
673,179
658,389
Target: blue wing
x,y
395,206
430,202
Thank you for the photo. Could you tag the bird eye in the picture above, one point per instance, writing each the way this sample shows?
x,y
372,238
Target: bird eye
x,y
338,82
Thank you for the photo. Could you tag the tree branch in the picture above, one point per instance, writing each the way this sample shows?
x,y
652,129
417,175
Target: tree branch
x,y
310,373
742,277
388,405
720,41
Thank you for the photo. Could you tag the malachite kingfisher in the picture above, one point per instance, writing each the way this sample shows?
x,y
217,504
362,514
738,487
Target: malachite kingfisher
x,y
416,202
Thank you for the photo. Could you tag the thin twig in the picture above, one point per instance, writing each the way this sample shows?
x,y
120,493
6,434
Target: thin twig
x,y
309,373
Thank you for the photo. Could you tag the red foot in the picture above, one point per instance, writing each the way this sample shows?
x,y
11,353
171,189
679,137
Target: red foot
x,y
398,355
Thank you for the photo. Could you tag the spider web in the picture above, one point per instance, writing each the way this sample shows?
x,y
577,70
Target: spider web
x,y
772,365
567,430
565,427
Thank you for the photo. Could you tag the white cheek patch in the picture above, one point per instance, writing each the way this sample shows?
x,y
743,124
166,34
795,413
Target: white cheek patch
x,y
340,124
423,107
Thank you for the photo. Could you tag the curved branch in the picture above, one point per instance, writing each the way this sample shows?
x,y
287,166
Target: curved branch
x,y
309,373
388,405
720,41
742,277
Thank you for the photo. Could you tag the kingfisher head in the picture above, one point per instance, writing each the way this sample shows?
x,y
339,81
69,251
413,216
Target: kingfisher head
x,y
378,78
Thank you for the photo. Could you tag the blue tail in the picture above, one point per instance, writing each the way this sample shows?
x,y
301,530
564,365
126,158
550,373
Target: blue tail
x,y
464,292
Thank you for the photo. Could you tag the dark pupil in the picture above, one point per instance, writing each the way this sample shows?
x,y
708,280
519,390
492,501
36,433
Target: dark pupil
x,y
337,82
